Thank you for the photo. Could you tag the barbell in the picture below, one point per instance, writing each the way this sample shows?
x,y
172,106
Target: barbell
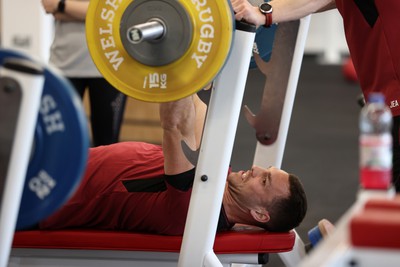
x,y
163,50
159,50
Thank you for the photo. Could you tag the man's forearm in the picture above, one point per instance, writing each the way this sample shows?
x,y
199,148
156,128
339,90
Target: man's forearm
x,y
331,5
283,10
178,115
72,10
178,124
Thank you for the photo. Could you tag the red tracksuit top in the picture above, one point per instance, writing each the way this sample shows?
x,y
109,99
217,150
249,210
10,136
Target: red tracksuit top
x,y
124,188
372,30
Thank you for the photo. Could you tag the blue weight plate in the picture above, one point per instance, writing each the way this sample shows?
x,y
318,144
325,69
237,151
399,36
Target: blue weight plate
x,y
263,44
60,149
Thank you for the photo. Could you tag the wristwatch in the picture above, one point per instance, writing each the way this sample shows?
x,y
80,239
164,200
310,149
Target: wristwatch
x,y
266,9
61,6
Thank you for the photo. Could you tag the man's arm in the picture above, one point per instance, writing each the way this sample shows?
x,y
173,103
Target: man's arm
x,y
181,120
283,10
74,10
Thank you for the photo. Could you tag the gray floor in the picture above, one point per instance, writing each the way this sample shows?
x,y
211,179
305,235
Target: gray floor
x,y
322,142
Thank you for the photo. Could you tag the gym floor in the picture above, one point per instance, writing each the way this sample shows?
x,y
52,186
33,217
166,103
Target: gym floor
x,y
322,142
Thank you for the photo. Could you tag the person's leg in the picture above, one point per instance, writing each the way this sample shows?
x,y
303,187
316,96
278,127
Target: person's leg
x,y
107,106
79,85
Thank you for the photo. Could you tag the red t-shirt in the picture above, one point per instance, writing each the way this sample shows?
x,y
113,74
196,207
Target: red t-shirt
x,y
124,188
372,34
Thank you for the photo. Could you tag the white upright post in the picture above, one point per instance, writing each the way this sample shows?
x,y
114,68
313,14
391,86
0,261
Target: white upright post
x,y
32,87
215,154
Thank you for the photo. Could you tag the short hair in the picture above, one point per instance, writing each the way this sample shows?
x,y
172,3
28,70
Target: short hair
x,y
286,213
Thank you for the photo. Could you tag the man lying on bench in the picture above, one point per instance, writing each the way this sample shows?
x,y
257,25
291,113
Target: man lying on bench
x,y
146,188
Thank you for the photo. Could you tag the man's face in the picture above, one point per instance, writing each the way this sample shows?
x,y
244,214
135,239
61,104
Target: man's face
x,y
258,186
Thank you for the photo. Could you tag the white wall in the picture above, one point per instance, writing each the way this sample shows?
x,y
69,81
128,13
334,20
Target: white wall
x,y
26,27
326,37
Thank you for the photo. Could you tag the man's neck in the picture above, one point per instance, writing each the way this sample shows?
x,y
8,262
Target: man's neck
x,y
234,213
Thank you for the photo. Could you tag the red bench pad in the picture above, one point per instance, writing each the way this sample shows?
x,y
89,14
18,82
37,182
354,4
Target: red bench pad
x,y
231,242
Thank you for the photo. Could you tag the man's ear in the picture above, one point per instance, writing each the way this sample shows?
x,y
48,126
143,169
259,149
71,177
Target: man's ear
x,y
261,215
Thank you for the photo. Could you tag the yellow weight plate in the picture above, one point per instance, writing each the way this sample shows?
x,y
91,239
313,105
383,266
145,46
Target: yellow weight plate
x,y
212,25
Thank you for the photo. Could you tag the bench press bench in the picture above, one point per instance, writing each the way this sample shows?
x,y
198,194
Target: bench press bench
x,y
198,245
61,248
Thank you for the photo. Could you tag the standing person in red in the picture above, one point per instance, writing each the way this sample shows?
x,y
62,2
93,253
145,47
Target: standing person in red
x,y
144,187
372,34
